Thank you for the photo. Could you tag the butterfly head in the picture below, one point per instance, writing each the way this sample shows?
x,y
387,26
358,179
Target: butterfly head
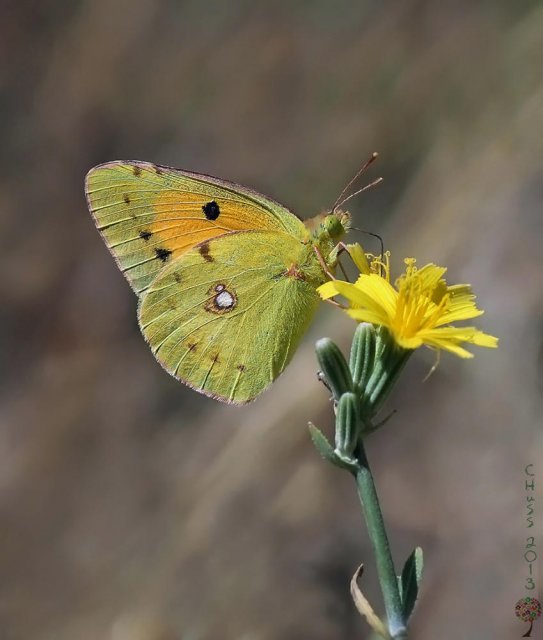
x,y
337,224
329,226
327,229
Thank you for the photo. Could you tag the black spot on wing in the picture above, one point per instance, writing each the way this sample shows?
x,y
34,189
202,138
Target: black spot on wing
x,y
126,198
211,210
162,254
145,235
136,171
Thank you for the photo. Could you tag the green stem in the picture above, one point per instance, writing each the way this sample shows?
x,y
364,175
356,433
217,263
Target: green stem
x,y
381,547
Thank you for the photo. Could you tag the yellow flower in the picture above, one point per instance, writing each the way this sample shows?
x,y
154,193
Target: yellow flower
x,y
419,309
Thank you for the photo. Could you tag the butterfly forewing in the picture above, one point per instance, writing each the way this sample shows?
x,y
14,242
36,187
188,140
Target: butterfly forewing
x,y
149,215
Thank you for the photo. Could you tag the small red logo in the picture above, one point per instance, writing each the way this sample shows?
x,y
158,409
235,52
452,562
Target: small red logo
x,y
528,610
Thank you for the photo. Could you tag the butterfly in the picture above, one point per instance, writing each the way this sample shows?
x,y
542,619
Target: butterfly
x,y
226,278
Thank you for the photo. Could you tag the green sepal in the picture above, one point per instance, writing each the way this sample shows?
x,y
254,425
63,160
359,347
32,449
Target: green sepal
x,y
362,354
370,427
409,582
321,444
382,341
347,427
387,366
327,451
334,367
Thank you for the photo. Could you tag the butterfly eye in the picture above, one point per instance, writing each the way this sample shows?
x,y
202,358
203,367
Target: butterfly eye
x,y
332,225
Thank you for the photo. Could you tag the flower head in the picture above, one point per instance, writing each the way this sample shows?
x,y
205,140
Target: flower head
x,y
418,309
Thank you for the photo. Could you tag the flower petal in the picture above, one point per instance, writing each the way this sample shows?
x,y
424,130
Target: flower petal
x,y
328,290
358,257
419,309
430,275
460,311
380,291
450,337
367,315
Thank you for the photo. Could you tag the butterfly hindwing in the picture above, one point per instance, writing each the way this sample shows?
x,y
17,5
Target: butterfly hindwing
x,y
226,316
149,215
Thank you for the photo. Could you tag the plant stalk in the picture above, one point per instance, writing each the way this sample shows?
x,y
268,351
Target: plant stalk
x,y
378,536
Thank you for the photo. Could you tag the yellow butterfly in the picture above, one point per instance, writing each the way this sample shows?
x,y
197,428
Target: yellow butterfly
x,y
226,277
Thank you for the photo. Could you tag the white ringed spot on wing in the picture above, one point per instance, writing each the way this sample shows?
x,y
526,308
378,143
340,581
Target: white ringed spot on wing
x,y
222,299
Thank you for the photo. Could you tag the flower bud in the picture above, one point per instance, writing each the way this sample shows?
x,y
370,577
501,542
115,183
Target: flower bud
x,y
334,367
347,426
362,354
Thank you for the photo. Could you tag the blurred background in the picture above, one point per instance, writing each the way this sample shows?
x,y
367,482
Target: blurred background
x,y
132,508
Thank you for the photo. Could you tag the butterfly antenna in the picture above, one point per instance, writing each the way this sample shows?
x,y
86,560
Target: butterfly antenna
x,y
368,186
373,235
363,168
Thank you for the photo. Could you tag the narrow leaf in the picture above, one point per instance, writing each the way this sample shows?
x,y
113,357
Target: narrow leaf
x,y
322,445
364,607
410,582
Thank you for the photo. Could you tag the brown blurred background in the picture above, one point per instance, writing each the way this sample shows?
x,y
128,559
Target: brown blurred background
x,y
131,508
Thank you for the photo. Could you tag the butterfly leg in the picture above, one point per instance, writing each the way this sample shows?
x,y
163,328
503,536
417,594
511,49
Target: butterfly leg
x,y
342,248
330,274
323,263
336,304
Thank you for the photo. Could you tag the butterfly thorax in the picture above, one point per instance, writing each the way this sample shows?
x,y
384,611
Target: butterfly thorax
x,y
316,257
